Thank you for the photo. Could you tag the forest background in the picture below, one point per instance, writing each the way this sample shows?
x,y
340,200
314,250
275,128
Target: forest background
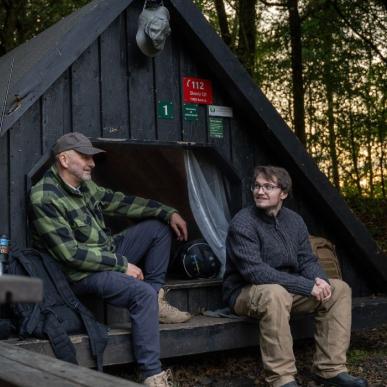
x,y
322,63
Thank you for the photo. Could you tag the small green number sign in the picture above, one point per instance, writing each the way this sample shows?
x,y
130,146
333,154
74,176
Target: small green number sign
x,y
190,112
165,110
215,127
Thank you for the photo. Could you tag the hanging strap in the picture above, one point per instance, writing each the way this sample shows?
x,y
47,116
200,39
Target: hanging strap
x,y
97,332
98,337
59,339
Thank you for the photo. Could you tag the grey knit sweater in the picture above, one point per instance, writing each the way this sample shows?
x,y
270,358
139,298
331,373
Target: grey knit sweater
x,y
263,249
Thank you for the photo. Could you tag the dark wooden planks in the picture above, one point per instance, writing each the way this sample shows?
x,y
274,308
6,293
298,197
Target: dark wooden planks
x,y
4,184
25,151
23,375
223,144
242,154
114,80
20,367
204,334
167,86
86,109
193,131
56,111
141,83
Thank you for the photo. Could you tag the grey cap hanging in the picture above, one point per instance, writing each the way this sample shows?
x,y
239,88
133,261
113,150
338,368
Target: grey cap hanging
x,y
153,30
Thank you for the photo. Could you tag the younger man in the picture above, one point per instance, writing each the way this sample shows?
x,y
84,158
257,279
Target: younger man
x,y
271,272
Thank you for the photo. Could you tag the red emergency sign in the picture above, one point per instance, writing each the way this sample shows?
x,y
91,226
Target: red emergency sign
x,y
197,90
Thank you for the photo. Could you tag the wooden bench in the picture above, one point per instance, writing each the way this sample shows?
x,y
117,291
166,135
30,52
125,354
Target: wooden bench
x,y
205,334
22,368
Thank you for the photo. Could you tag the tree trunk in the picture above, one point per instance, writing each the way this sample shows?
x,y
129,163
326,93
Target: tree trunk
x,y
354,152
223,23
332,135
369,131
297,77
247,38
381,139
382,167
327,69
11,33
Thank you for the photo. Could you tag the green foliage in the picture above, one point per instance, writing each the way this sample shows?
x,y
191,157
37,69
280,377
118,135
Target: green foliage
x,y
372,212
343,43
344,59
20,20
344,56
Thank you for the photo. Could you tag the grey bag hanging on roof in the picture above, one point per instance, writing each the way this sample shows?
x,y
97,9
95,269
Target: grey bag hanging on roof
x,y
153,28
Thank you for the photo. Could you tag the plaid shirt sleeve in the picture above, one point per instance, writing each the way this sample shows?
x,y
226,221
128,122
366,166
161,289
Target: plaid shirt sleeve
x,y
135,207
60,241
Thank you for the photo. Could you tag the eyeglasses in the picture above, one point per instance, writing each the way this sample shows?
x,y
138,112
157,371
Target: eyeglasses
x,y
266,187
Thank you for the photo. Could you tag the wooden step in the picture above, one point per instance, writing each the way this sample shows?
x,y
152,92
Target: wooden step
x,y
19,368
206,334
192,284
193,296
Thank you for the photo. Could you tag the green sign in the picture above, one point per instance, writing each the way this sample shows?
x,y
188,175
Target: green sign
x,y
190,112
215,127
165,110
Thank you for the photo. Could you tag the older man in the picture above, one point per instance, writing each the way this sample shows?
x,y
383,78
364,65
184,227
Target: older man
x,y
127,269
271,272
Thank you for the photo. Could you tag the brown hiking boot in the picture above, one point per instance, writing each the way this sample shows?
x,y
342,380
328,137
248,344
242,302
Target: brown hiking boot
x,y
163,379
168,314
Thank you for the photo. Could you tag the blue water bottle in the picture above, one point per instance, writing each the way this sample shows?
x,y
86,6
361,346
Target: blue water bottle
x,y
4,250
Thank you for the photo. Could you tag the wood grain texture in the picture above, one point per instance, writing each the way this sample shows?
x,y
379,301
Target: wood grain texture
x,y
4,184
204,334
86,108
167,87
223,145
141,83
25,151
18,367
56,112
242,154
114,81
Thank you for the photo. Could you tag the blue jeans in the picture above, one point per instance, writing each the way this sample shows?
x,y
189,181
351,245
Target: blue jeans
x,y
148,245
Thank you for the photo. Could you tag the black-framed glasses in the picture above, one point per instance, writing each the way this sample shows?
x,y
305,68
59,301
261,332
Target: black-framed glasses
x,y
266,187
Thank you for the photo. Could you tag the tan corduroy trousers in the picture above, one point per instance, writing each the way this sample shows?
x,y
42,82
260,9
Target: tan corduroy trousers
x,y
273,304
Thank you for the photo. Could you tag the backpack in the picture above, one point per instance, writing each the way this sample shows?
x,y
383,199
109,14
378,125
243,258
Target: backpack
x,y
195,259
325,251
59,314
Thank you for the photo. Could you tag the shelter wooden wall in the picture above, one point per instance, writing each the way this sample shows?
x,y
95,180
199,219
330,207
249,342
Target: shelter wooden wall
x,y
112,91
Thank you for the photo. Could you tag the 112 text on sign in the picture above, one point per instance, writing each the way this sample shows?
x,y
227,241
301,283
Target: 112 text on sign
x,y
197,90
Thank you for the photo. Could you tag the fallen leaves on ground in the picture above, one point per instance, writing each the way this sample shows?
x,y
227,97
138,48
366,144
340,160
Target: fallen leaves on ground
x,y
367,357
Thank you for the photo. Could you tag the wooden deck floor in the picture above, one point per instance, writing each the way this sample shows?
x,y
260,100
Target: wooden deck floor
x,y
204,334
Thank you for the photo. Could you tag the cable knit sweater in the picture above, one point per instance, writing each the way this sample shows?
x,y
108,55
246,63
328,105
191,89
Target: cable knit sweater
x,y
263,249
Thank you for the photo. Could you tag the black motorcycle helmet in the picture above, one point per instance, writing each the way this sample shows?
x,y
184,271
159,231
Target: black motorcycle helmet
x,y
195,259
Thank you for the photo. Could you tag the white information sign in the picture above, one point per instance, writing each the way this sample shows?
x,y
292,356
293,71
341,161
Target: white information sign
x,y
219,111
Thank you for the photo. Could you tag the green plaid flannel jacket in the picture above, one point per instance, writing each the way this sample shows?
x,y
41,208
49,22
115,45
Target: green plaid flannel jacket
x,y
69,224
